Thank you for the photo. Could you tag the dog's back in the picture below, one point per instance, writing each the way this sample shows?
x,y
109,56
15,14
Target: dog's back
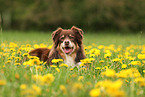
x,y
42,53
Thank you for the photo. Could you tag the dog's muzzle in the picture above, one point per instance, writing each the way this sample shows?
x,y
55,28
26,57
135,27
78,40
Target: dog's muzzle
x,y
67,47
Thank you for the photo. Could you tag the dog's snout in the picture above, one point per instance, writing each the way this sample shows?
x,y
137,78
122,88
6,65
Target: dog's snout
x,y
66,42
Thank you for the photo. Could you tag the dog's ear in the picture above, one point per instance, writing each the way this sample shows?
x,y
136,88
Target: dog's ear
x,y
79,34
55,36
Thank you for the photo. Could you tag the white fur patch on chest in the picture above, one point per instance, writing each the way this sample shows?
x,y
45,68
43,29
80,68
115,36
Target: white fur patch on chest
x,y
69,61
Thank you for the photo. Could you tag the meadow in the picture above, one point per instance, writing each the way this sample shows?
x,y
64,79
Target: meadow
x,y
114,67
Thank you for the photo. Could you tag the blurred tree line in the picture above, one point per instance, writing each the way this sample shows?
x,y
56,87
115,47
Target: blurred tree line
x,y
86,14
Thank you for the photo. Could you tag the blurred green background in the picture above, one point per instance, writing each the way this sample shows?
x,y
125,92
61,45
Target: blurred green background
x,y
93,15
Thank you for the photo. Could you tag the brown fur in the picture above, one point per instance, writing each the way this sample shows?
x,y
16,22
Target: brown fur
x,y
46,54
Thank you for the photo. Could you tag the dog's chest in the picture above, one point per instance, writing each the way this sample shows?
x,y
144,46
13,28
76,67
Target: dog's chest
x,y
69,60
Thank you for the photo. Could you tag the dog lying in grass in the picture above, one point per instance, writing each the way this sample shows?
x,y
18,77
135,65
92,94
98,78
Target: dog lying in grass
x,y
67,45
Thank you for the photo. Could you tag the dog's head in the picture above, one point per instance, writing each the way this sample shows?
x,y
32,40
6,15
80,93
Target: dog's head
x,y
69,40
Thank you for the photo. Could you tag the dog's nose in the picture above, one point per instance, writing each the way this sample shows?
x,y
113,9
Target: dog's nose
x,y
66,42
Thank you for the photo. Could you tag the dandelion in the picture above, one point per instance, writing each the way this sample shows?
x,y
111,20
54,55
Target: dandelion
x,y
17,64
63,65
36,89
48,79
2,82
87,60
100,46
92,55
39,68
17,76
56,60
35,62
29,63
50,46
116,60
25,54
8,62
101,61
53,66
141,56
80,78
57,69
23,86
98,68
124,65
107,55
95,92
77,86
135,63
63,89
71,69
109,73
82,64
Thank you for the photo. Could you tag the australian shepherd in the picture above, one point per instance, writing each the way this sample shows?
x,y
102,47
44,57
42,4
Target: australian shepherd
x,y
67,45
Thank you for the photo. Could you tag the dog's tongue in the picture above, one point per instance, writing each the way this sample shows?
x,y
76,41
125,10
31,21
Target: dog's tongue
x,y
67,50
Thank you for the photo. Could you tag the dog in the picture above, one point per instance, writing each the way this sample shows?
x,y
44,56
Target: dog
x,y
67,45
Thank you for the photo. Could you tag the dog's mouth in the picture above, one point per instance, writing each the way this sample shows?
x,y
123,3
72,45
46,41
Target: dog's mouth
x,y
68,50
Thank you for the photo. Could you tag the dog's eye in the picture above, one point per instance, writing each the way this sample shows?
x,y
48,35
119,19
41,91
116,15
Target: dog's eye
x,y
71,37
62,38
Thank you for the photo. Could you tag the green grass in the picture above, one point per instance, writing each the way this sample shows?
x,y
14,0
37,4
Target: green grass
x,y
79,82
100,38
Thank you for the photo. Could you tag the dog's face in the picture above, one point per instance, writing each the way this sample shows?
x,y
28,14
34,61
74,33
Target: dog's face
x,y
67,41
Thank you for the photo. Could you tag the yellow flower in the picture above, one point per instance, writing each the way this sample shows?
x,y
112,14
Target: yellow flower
x,y
25,54
77,86
57,69
135,63
35,62
94,52
92,55
63,89
63,65
101,61
17,76
141,56
23,86
82,64
124,65
71,69
80,78
17,64
100,46
109,73
115,93
140,79
8,62
2,82
39,68
56,60
36,46
50,46
116,60
48,79
98,68
53,66
107,55
28,45
87,60
28,63
36,89
95,92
